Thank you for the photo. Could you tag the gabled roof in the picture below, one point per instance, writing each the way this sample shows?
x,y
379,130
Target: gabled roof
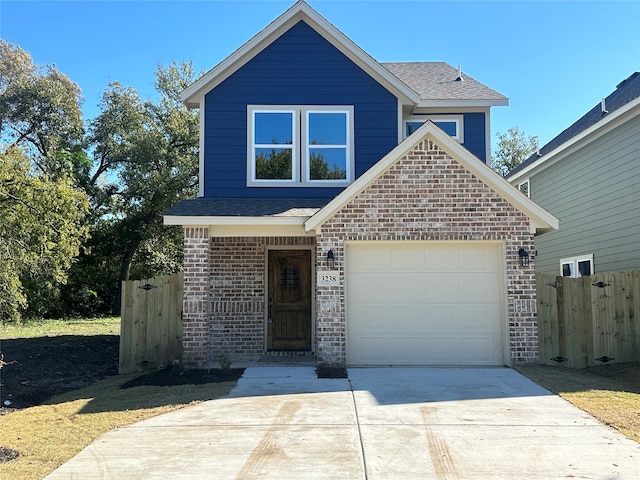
x,y
300,11
619,103
425,84
541,221
438,84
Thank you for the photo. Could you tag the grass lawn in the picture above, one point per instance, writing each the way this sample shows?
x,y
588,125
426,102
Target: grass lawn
x,y
611,393
51,328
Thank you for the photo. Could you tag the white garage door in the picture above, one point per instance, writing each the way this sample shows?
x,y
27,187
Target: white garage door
x,y
424,303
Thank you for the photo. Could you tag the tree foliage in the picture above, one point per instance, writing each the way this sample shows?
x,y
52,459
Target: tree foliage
x,y
514,147
135,160
39,110
42,230
146,160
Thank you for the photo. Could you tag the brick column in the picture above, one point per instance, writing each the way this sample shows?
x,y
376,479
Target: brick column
x,y
331,343
196,304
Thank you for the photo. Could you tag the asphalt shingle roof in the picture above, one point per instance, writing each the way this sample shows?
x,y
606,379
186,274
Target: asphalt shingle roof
x,y
625,92
248,207
437,81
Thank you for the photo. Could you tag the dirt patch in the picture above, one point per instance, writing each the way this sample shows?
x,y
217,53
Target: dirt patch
x,y
39,368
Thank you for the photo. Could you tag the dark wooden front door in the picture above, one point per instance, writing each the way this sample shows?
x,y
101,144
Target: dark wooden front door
x,y
289,306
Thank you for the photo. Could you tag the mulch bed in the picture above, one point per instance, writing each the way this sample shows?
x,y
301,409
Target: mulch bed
x,y
176,376
6,454
330,371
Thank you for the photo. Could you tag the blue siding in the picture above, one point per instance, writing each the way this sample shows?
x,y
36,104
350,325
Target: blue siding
x,y
299,68
474,135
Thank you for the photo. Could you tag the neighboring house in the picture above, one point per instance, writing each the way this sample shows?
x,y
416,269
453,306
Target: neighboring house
x,y
588,177
320,229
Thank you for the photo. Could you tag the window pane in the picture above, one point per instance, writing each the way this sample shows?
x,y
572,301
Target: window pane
x,y
327,128
448,126
328,163
567,270
412,127
273,164
524,188
273,128
584,267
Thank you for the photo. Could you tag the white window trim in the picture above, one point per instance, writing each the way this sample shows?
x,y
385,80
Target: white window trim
x,y
457,119
574,261
528,183
301,167
251,173
347,147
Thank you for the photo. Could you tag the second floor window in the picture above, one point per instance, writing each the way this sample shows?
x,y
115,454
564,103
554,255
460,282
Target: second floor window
x,y
289,146
451,124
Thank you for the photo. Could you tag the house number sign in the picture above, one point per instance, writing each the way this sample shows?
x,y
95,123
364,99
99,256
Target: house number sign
x,y
328,279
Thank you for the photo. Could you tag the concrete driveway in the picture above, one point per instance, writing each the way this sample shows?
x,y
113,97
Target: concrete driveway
x,y
401,423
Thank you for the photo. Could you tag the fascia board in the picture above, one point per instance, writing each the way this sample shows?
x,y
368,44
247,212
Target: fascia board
x,y
210,220
540,219
464,103
610,122
300,11
258,231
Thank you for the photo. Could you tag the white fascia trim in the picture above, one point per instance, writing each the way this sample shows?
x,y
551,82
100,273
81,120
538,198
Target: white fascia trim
x,y
299,11
400,122
464,103
592,133
540,220
201,152
258,231
254,221
487,136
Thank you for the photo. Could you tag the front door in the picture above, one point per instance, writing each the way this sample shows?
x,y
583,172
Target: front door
x,y
289,306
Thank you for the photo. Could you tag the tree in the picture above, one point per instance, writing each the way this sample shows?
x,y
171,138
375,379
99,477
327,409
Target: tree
x,y
513,149
41,230
40,113
152,150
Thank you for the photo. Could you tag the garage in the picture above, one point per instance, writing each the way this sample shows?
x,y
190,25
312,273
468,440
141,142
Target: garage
x,y
425,303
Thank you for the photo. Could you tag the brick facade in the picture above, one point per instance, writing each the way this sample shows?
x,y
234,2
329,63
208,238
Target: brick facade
x,y
232,323
426,195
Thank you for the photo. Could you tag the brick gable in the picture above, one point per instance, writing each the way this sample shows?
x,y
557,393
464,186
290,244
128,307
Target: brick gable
x,y
427,195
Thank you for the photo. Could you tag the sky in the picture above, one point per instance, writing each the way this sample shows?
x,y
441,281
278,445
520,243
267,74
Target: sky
x,y
554,60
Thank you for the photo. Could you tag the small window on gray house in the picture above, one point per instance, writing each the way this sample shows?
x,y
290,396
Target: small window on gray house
x,y
573,267
524,187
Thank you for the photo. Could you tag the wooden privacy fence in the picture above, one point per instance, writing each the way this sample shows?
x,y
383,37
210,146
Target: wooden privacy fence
x,y
151,323
589,320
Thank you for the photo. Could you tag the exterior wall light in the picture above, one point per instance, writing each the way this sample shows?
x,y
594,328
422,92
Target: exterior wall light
x,y
331,262
524,257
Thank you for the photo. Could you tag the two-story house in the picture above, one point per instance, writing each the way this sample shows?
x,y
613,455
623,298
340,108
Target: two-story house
x,y
346,211
588,177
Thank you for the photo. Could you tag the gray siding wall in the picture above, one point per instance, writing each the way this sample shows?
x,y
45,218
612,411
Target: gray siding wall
x,y
595,192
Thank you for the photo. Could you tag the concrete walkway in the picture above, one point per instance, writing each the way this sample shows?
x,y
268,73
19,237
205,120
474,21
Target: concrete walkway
x,y
402,423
